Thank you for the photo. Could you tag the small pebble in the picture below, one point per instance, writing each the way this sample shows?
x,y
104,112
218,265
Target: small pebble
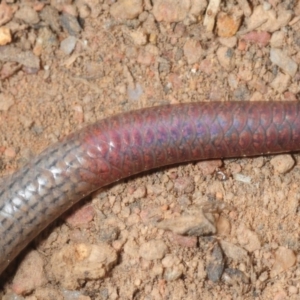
x,y
175,81
281,82
268,20
5,36
223,226
6,13
184,185
267,5
241,93
215,264
263,276
154,249
283,61
233,81
85,262
184,241
206,66
26,58
84,11
126,9
284,259
27,14
139,37
277,39
234,252
210,15
261,38
198,7
209,167
170,260
135,92
140,192
168,11
192,50
154,189
234,276
70,24
242,178
131,248
248,239
68,44
193,225
282,163
51,17
229,42
226,58
228,24
171,274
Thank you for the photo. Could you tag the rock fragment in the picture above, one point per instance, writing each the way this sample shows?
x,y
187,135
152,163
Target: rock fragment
x,y
126,9
268,20
234,276
283,61
282,163
215,265
228,24
261,38
68,44
28,15
26,58
154,249
5,36
209,167
70,24
192,50
281,82
226,58
284,259
277,39
73,264
171,10
6,13
210,15
184,185
51,16
196,224
234,252
248,239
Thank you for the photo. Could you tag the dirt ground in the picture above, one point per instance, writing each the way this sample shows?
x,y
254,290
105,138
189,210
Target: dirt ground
x,y
65,64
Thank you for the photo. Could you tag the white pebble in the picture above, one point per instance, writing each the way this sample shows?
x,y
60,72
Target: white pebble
x,y
242,178
283,61
68,44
